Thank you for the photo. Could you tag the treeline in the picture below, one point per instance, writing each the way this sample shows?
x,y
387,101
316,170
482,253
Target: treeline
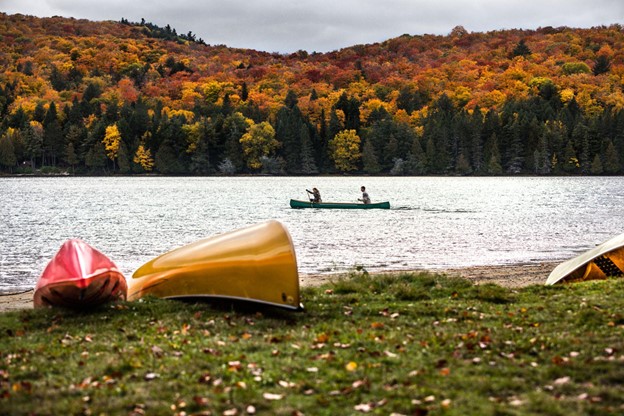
x,y
123,97
540,135
167,33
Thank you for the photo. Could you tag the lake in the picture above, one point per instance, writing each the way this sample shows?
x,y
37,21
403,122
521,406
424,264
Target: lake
x,y
435,222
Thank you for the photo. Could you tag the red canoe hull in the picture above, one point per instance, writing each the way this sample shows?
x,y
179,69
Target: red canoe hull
x,y
79,276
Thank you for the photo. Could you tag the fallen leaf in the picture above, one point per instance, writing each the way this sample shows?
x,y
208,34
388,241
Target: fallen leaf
x,y
351,366
272,396
157,351
562,380
364,407
201,401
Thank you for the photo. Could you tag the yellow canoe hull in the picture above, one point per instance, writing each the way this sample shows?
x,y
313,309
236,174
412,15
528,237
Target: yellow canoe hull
x,y
256,263
604,260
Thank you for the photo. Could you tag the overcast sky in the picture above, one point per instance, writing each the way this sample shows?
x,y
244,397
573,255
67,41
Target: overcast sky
x,y
325,25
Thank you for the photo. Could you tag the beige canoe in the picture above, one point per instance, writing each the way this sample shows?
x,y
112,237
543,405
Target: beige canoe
x,y
604,260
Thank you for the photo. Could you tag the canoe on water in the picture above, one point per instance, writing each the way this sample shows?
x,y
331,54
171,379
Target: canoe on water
x,y
604,260
256,264
79,276
294,203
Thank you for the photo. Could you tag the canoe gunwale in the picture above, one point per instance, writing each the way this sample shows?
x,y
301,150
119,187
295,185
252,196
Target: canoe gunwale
x,y
251,301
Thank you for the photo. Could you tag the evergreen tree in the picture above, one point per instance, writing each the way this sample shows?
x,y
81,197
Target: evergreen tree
x,y
234,126
95,159
70,156
244,92
602,65
123,158
351,109
416,161
463,165
521,49
308,165
541,157
493,157
34,142
369,158
596,167
166,160
570,162
288,126
7,152
53,140
612,162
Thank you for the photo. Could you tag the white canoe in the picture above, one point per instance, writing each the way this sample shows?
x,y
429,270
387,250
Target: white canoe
x,y
604,260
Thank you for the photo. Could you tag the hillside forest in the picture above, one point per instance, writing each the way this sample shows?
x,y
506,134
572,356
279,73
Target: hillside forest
x,y
132,97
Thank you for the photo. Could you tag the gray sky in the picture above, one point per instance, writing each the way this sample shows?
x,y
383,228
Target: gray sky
x,y
325,25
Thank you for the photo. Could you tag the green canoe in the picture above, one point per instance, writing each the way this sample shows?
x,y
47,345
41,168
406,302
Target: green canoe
x,y
344,205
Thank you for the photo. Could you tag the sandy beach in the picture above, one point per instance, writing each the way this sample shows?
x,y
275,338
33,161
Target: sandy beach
x,y
516,275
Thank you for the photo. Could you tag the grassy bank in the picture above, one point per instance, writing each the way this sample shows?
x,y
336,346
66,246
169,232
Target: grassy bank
x,y
413,344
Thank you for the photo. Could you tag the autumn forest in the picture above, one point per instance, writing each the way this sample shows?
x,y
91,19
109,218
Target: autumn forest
x,y
132,98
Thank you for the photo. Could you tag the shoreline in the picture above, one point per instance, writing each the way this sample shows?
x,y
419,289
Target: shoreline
x,y
513,275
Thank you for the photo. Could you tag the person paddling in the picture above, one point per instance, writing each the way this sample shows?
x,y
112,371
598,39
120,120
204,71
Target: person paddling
x,y
365,198
316,195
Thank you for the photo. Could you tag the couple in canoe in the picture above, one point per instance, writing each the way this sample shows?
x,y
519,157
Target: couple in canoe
x,y
316,195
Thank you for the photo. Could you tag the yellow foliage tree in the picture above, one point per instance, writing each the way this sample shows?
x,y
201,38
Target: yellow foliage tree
x,y
144,158
345,150
259,141
112,141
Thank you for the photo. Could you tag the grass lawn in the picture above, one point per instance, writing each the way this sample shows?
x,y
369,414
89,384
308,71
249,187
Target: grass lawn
x,y
402,344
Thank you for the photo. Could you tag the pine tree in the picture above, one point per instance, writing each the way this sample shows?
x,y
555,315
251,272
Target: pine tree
x,y
70,156
570,162
602,65
34,142
463,165
308,165
596,166
123,159
7,152
416,161
369,158
521,49
612,163
493,157
53,140
96,157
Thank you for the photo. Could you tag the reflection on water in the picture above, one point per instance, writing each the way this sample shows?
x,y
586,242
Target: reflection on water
x,y
433,223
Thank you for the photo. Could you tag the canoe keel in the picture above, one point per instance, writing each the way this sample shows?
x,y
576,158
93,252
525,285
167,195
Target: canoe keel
x,y
256,263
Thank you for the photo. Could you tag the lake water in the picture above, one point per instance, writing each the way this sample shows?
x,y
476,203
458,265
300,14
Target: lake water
x,y
434,222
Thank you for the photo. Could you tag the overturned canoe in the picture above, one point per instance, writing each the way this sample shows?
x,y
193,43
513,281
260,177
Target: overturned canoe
x,y
604,260
79,276
256,264
294,203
